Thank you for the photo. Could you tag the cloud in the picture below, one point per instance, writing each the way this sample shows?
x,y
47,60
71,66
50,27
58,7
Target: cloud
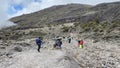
x,y
3,15
32,7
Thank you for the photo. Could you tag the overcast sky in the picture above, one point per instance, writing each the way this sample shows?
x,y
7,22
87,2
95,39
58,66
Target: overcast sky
x,y
11,8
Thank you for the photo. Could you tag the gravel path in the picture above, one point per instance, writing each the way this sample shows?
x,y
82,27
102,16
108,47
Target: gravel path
x,y
47,58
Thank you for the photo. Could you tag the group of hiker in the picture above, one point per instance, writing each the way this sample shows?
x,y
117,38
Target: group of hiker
x,y
58,42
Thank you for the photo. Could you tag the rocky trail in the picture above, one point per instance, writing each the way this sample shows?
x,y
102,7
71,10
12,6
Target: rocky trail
x,y
30,58
93,55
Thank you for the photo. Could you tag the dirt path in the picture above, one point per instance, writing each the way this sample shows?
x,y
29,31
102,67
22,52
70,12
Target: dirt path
x,y
47,58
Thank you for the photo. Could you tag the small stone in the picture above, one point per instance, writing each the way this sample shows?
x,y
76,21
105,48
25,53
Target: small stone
x,y
10,57
2,47
8,54
18,49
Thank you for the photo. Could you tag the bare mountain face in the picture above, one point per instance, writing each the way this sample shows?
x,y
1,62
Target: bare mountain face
x,y
51,14
71,13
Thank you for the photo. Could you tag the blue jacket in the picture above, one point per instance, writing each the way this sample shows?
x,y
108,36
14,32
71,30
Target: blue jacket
x,y
38,41
59,43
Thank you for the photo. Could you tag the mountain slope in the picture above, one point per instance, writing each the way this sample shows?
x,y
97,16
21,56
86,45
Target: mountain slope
x,y
43,22
70,13
51,14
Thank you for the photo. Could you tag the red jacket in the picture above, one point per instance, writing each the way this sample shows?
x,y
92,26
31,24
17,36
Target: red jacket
x,y
80,43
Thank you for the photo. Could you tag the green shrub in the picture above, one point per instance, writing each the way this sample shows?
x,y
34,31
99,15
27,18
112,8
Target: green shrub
x,y
49,25
65,29
95,41
89,26
37,33
76,24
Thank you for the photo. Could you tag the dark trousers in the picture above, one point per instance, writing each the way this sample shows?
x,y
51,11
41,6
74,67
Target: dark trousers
x,y
39,46
69,41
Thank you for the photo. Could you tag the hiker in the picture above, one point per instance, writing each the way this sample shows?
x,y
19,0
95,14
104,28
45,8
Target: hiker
x,y
69,39
38,42
80,43
58,43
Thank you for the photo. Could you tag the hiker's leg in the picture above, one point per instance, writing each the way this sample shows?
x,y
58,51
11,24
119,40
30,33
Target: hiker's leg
x,y
60,46
38,48
54,45
69,41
